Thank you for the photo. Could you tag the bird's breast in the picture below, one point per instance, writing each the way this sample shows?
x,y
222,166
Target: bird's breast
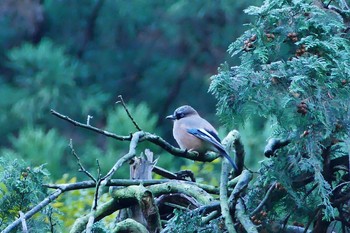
x,y
188,141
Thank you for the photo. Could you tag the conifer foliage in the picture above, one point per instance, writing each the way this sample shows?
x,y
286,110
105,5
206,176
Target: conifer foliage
x,y
294,70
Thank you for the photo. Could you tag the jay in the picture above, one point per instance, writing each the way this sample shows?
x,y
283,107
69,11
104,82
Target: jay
x,y
193,133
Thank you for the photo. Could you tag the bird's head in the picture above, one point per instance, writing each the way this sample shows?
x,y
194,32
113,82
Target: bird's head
x,y
182,112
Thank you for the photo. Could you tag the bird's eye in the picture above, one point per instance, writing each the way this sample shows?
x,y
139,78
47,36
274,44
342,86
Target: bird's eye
x,y
180,115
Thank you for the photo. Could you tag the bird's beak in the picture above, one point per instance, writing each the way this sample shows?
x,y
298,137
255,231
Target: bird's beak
x,y
170,117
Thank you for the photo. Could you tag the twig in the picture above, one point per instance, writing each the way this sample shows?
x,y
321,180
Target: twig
x,y
262,203
94,208
165,173
23,221
223,197
89,117
211,216
82,169
204,209
76,123
127,112
329,3
34,210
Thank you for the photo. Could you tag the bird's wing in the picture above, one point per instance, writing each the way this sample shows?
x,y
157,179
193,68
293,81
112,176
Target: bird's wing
x,y
212,138
207,136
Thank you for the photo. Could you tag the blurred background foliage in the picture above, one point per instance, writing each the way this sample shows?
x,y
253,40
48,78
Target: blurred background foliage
x,y
77,58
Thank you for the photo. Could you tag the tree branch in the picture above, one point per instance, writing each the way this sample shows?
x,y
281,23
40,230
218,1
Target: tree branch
x,y
82,169
127,112
223,197
262,203
89,127
145,136
34,210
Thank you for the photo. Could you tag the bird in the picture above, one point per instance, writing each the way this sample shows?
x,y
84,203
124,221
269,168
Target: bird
x,y
194,133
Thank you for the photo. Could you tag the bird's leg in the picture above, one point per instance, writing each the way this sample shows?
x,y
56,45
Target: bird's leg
x,y
193,151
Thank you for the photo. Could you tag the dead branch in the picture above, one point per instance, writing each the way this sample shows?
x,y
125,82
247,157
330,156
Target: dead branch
x,y
232,142
225,211
238,208
81,169
262,203
127,112
89,127
144,136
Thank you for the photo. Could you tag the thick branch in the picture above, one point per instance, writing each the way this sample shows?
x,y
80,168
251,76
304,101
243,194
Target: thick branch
x,y
223,197
274,144
233,143
243,218
125,182
129,225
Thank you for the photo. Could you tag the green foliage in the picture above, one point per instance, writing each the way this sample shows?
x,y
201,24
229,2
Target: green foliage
x,y
45,73
294,69
37,147
188,222
20,189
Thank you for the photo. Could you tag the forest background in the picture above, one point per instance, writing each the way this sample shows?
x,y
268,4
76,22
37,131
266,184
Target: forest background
x,y
78,58
93,61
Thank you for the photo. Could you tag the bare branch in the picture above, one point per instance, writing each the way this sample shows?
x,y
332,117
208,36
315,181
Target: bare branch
x,y
86,126
223,197
127,112
82,169
243,217
262,203
23,221
132,153
155,139
233,143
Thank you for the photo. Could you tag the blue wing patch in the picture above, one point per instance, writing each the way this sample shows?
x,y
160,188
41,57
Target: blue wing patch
x,y
212,137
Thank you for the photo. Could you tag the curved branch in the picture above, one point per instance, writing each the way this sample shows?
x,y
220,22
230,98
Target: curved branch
x,y
129,225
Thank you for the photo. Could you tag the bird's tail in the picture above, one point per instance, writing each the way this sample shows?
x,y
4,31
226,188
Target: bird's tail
x,y
228,157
